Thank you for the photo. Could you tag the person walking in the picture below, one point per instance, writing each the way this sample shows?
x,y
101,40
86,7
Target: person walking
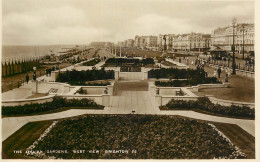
x,y
219,72
34,76
215,74
27,78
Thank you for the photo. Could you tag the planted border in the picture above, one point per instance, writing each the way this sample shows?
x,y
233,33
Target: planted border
x,y
204,104
57,103
189,82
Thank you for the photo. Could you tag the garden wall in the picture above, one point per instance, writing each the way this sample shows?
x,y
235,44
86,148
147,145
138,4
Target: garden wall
x,y
228,103
163,100
206,86
21,102
99,99
44,87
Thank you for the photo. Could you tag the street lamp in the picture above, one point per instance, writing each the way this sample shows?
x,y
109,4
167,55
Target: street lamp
x,y
243,41
234,21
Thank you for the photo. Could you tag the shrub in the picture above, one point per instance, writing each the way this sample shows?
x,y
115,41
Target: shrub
x,y
204,104
57,103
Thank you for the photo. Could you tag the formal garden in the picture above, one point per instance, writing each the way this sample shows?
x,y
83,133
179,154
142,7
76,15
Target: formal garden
x,y
140,136
92,62
203,104
56,104
75,77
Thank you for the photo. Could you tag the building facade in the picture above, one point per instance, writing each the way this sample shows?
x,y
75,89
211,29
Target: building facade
x,y
101,44
191,42
151,41
223,38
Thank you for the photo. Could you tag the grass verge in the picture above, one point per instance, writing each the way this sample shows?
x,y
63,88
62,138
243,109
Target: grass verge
x,y
22,139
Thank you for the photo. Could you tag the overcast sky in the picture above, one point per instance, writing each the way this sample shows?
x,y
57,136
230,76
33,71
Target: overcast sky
x,y
48,22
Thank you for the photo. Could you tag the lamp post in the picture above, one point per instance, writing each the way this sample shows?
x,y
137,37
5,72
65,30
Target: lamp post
x,y
233,46
243,41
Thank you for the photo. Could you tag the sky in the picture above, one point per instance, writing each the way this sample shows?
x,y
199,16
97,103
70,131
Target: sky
x,y
66,22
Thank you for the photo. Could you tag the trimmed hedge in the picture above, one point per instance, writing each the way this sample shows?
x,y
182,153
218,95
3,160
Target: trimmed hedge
x,y
126,60
82,76
174,73
57,103
204,104
89,84
189,82
92,62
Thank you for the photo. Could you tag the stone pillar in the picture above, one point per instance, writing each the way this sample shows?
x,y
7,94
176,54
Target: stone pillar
x,y
105,99
158,100
145,74
66,89
116,74
54,76
110,89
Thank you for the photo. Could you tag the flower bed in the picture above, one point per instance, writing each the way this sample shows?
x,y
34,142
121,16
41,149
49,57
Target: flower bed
x,y
186,83
141,136
57,103
204,104
92,62
83,76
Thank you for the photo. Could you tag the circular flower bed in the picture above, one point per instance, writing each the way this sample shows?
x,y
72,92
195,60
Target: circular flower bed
x,y
141,136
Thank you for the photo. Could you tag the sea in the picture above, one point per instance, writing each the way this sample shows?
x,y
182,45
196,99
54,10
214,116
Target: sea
x,y
15,52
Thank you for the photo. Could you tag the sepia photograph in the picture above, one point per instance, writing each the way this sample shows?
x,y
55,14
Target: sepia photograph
x,y
128,79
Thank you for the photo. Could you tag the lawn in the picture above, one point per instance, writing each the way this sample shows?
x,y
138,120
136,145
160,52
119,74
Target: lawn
x,y
242,139
22,139
241,88
143,136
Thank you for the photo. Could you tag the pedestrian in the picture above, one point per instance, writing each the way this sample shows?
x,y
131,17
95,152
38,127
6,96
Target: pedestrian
x,y
206,74
34,76
27,78
192,62
215,74
226,79
219,72
179,60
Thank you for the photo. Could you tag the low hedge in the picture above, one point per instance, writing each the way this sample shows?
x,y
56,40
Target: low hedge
x,y
189,82
83,76
89,84
204,104
174,73
57,103
92,62
128,60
